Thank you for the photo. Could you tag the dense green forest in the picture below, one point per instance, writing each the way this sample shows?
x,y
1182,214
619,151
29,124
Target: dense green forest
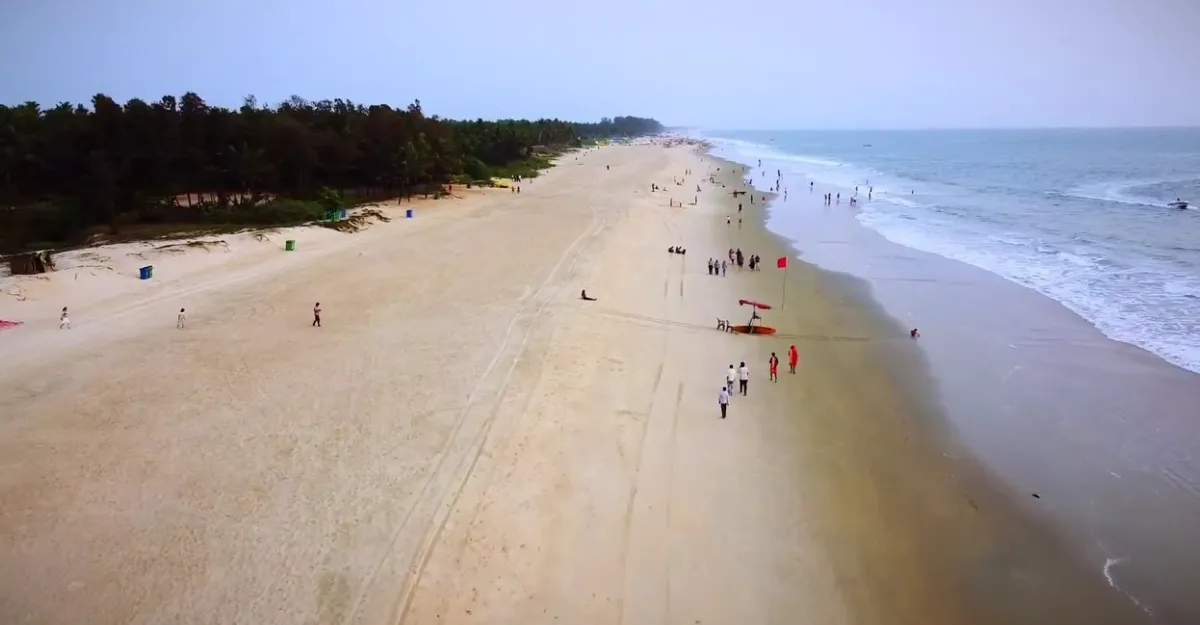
x,y
70,172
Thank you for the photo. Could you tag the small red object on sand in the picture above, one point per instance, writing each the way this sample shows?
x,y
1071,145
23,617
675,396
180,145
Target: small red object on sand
x,y
6,324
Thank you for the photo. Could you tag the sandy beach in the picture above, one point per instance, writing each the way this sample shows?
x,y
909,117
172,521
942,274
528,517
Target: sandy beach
x,y
463,441
466,441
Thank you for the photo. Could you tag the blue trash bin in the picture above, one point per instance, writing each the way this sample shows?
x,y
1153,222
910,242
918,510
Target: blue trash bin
x,y
147,272
408,214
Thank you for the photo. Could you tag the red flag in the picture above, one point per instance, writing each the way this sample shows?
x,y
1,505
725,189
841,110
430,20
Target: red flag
x,y
782,262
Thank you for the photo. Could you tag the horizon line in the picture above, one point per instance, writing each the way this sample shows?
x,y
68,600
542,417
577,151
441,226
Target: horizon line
x,y
933,128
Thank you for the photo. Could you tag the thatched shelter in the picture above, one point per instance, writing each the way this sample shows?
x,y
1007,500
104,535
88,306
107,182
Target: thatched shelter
x,y
31,263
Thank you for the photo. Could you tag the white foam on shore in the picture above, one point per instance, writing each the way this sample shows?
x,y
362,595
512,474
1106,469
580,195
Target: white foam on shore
x,y
1150,304
1109,563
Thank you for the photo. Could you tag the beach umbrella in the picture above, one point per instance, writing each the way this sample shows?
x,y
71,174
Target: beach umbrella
x,y
754,308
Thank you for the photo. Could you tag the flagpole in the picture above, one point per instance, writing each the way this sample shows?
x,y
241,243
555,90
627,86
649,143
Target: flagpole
x,y
784,287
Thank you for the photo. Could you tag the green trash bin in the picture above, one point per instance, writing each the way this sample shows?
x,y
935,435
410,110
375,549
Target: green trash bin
x,y
290,245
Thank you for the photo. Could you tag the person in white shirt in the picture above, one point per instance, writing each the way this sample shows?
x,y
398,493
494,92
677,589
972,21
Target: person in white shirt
x,y
723,400
743,378
64,321
730,376
179,321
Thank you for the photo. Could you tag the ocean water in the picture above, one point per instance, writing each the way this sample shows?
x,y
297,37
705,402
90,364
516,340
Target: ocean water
x,y
1080,216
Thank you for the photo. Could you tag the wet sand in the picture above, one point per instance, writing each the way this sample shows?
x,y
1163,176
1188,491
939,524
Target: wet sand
x,y
1103,432
918,530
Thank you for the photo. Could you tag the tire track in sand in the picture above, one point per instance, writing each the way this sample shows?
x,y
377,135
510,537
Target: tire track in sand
x,y
420,544
404,603
644,596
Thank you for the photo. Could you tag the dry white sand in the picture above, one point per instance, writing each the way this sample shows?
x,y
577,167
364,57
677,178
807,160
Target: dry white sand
x,y
463,442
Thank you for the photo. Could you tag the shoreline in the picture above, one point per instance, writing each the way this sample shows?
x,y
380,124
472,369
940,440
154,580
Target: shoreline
x,y
1101,429
959,507
466,441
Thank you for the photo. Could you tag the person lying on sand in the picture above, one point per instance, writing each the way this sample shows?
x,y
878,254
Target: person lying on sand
x,y
584,296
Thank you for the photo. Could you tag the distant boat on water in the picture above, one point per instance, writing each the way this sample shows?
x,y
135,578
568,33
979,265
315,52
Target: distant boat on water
x,y
1178,203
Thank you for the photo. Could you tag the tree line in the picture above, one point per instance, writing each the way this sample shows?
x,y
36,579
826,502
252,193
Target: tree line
x,y
73,171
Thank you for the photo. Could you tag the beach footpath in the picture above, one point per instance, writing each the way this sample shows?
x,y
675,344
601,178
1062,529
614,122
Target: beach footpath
x,y
465,439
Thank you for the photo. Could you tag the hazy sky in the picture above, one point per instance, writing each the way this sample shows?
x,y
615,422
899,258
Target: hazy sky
x,y
734,64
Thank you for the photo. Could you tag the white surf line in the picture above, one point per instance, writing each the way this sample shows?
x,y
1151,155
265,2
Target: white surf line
x,y
1109,563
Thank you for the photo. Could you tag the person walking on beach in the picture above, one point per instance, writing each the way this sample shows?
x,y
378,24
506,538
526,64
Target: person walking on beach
x,y
64,320
743,378
724,268
730,376
723,400
793,359
180,319
773,363
316,315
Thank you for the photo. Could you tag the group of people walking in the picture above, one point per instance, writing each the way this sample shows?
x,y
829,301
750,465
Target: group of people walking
x,y
741,375
736,258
